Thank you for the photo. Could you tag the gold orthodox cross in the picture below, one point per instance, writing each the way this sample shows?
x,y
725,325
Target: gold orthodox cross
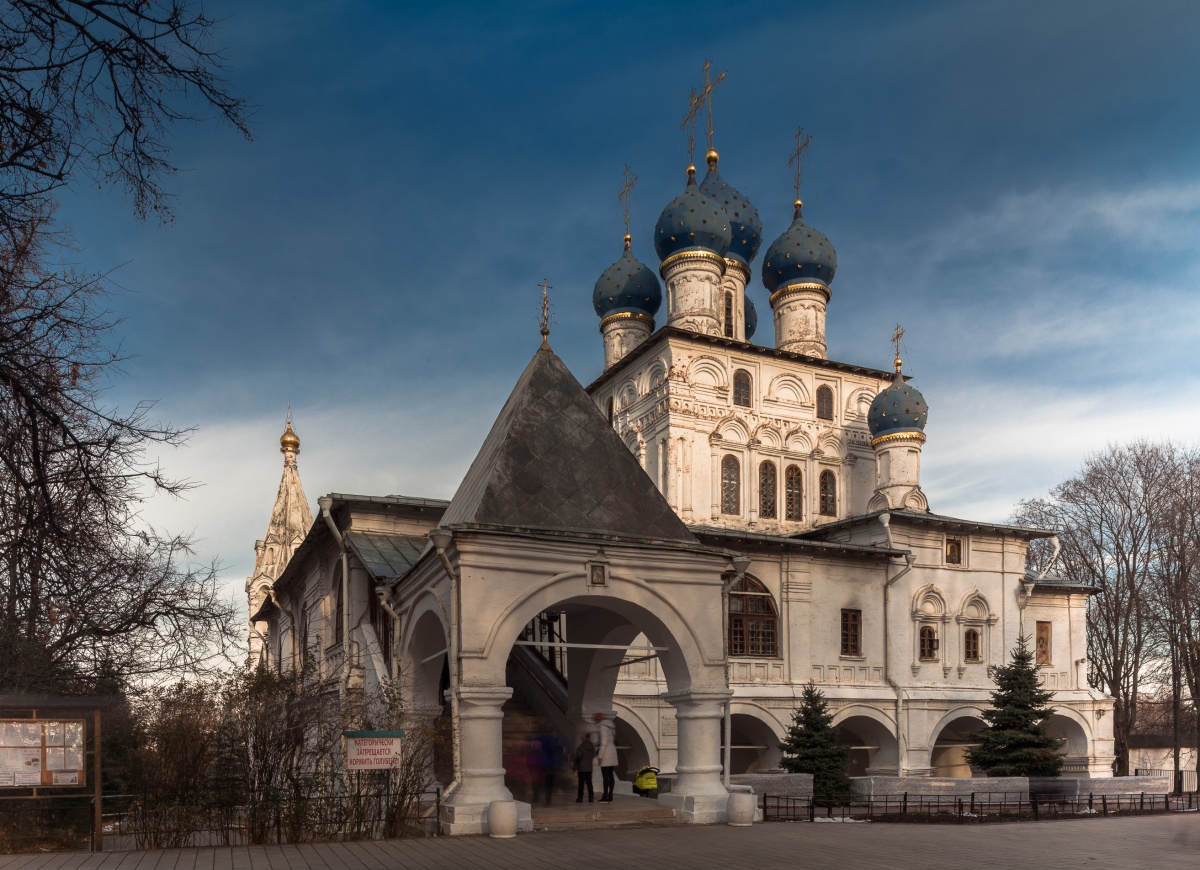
x,y
546,288
695,104
797,157
623,194
707,94
897,337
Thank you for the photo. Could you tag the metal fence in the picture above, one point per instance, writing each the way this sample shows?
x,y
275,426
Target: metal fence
x,y
1184,780
971,808
61,824
46,824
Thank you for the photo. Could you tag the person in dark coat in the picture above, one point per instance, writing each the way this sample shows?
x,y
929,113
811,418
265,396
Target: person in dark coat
x,y
585,754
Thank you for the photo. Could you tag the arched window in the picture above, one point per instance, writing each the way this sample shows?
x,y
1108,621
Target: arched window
x,y
793,483
766,490
612,403
302,636
339,608
741,388
731,483
753,621
929,643
971,645
728,315
828,494
824,403
382,624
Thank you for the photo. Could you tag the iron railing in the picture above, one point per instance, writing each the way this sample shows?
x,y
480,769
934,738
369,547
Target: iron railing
x,y
1183,780
51,824
47,824
971,808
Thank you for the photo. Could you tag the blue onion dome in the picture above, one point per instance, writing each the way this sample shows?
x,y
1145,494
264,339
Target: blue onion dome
x,y
898,410
751,318
627,286
692,222
800,255
744,222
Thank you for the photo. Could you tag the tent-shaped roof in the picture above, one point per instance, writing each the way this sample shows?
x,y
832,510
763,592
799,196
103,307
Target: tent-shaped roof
x,y
552,461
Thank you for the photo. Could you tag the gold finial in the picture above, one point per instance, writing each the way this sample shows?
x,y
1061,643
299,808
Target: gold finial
x,y
707,94
711,158
796,207
289,442
688,124
546,288
897,337
797,158
623,198
628,241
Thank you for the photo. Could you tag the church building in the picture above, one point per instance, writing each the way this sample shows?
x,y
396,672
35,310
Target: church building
x,y
685,542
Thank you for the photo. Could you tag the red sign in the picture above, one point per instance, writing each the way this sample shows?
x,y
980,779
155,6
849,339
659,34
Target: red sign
x,y
373,750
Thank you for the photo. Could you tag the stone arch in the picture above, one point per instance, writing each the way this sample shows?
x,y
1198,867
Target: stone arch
x,y
769,436
656,374
858,403
756,735
950,738
1073,729
633,733
426,637
929,602
789,388
831,447
872,737
626,395
974,606
798,441
641,608
732,428
707,371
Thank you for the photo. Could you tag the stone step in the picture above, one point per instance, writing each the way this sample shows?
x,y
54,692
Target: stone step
x,y
606,823
625,810
584,813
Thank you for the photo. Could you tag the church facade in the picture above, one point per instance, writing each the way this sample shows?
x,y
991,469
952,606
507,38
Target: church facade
x,y
687,541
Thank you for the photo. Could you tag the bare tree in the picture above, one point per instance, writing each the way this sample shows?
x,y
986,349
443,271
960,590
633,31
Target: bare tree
x,y
93,86
1105,517
86,588
1177,581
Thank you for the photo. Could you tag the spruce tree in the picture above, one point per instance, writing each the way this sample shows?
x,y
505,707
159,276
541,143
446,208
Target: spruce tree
x,y
1016,743
811,746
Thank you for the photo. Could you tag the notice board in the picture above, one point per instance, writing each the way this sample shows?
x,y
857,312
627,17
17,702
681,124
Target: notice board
x,y
42,752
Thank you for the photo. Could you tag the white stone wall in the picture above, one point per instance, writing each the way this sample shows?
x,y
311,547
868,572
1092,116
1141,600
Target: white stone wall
x,y
676,412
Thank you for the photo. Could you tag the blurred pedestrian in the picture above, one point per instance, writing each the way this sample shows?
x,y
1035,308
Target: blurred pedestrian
x,y
585,754
606,754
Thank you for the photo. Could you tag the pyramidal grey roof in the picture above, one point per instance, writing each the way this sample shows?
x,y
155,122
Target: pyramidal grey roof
x,y
552,461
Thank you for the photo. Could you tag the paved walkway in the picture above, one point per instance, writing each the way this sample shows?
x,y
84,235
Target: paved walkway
x,y
1123,844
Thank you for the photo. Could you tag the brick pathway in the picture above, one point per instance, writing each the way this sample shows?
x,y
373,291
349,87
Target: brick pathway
x,y
1123,844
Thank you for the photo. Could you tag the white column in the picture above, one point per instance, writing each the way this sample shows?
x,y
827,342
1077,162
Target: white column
x,y
481,723
716,478
752,482
687,475
697,793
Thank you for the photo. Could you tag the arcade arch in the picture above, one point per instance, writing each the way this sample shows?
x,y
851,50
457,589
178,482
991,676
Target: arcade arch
x,y
952,738
872,741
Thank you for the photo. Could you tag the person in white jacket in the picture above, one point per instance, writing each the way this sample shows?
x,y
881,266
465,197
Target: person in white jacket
x,y
606,753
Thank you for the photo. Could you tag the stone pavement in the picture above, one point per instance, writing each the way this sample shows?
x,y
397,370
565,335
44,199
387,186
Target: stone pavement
x,y
1123,844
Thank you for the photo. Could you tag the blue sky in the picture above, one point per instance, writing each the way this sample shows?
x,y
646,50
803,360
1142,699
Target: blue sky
x,y
1017,183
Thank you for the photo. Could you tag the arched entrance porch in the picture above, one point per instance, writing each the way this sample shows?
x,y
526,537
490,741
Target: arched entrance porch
x,y
599,630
